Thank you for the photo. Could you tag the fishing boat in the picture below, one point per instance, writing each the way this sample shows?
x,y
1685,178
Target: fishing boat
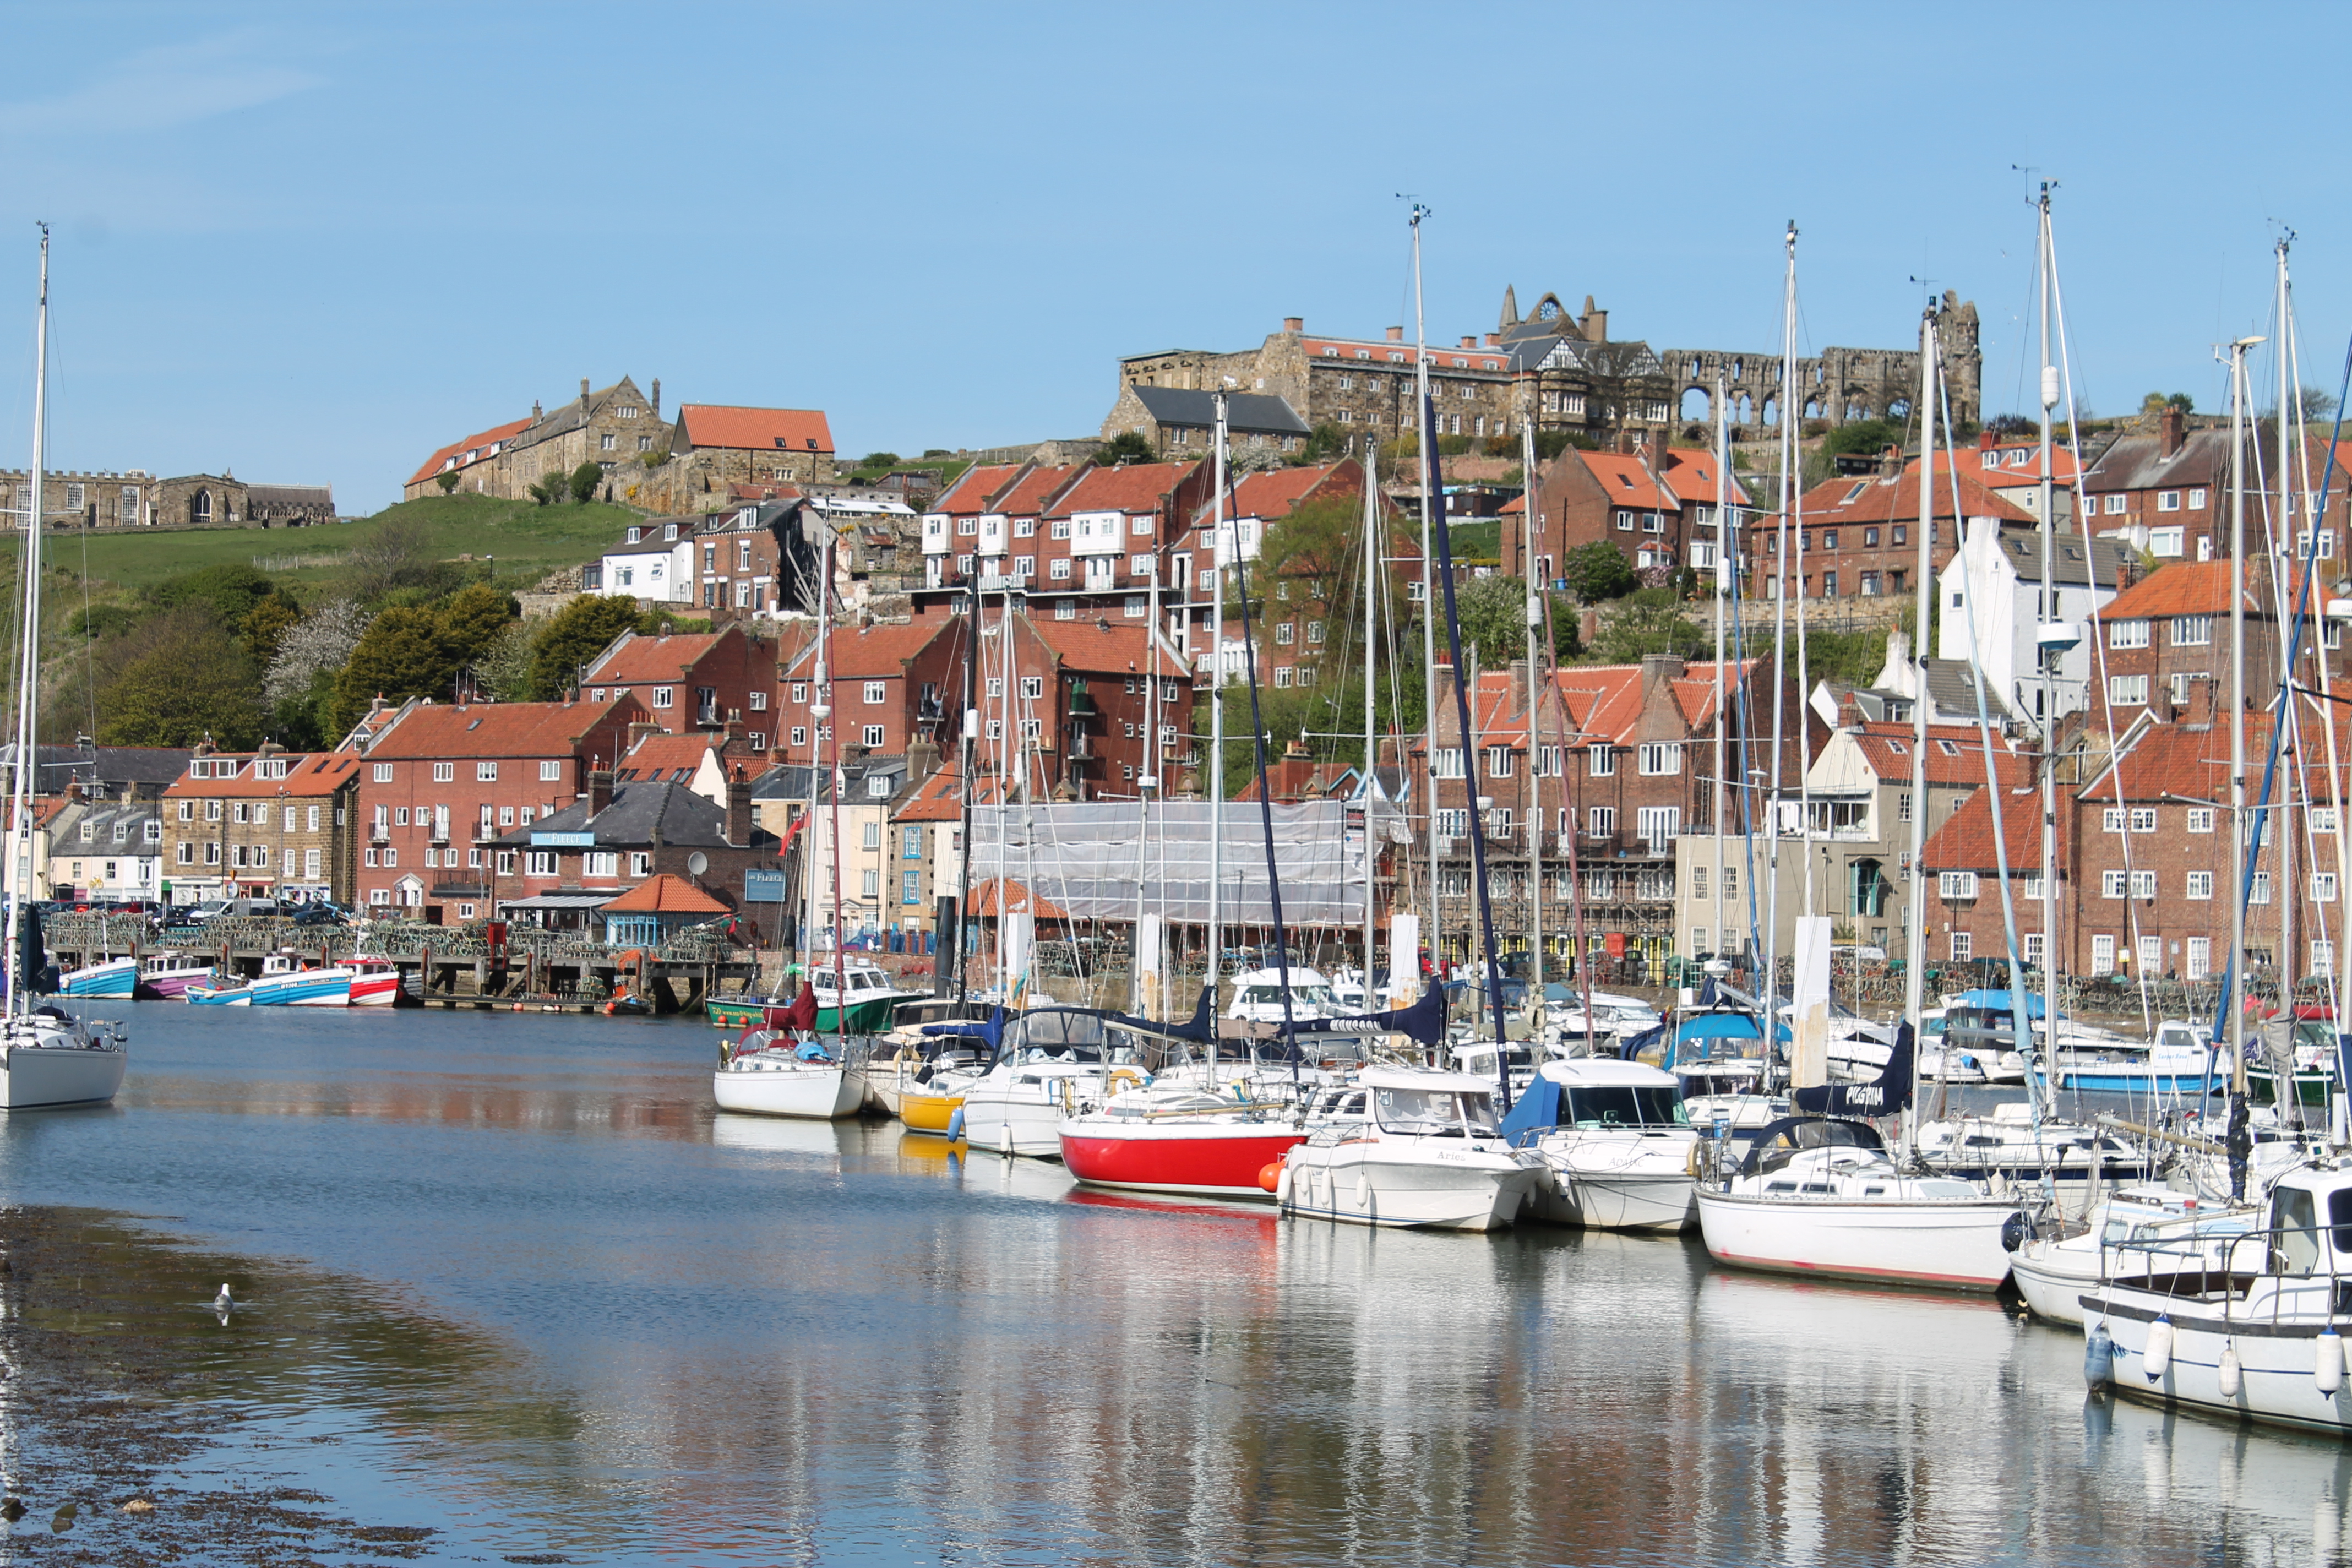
x,y
376,982
857,999
1427,1155
773,1071
1620,1149
107,977
287,980
167,976
2131,1226
47,1058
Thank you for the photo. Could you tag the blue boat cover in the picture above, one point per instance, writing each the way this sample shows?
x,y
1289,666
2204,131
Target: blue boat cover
x,y
1198,1028
1425,1021
1536,1112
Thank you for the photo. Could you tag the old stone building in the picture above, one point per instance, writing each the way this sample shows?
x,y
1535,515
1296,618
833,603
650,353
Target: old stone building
x,y
132,497
262,824
1180,423
616,425
1583,380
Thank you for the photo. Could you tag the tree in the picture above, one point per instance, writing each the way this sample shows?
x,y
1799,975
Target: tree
x,y
229,592
578,633
1642,625
175,680
549,489
322,643
1325,442
1598,571
2158,402
447,481
503,668
472,619
267,626
398,553
584,480
1493,612
878,460
1863,435
1127,446
403,653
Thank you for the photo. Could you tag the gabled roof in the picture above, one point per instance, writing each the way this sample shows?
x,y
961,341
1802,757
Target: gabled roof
x,y
972,491
2140,463
1107,647
940,799
755,429
1965,842
985,904
637,659
2181,588
1691,476
879,652
2010,466
1875,498
1604,700
677,757
1131,487
467,452
1249,414
493,729
636,812
666,895
1625,479
1029,498
1271,493
1955,754
310,775
2098,564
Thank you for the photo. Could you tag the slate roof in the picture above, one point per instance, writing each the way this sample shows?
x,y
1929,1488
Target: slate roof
x,y
1248,413
108,765
685,820
2140,463
568,416
791,781
1952,689
2101,565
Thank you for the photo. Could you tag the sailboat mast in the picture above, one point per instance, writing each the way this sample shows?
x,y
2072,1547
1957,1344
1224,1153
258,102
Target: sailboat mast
x,y
1147,779
966,760
1371,741
2237,1000
1428,566
1220,565
2049,611
1914,949
1535,624
2283,595
1722,564
1771,990
28,665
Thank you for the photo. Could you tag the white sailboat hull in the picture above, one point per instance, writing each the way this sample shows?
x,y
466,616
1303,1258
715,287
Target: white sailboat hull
x,y
2277,1359
812,1090
2052,1282
34,1078
1952,1243
1013,1123
1359,1184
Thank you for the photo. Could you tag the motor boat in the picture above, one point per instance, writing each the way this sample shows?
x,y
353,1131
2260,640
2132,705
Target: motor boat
x,y
774,1072
858,997
107,977
1052,1064
2052,1270
1348,992
1718,1057
376,982
287,980
1476,1059
2178,1059
1163,1139
1426,1154
2008,1147
2250,1331
1818,1194
169,975
1620,1150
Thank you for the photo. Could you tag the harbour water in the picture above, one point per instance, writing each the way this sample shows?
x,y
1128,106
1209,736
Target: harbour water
x,y
511,1280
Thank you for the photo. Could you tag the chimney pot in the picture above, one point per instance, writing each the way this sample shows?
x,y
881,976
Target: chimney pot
x,y
583,389
600,789
1294,324
1396,334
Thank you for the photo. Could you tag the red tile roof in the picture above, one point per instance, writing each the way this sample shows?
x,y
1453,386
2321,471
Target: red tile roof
x,y
938,798
1999,468
311,773
1604,702
970,494
2191,764
1626,481
1440,354
676,757
984,904
1132,486
470,450
1955,754
1099,648
1691,476
1271,493
666,895
1877,499
755,429
1965,842
879,652
495,728
643,658
2182,588
1294,779
1028,499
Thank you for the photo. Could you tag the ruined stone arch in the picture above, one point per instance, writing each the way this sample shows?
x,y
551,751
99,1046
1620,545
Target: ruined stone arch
x,y
1697,404
1771,412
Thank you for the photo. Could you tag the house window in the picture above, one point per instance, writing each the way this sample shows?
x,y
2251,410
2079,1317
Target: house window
x,y
663,696
1601,822
1283,674
1658,824
1285,634
2128,690
1601,762
2115,506
1957,885
877,692
873,735
2323,887
1963,946
2262,890
641,863
383,773
2143,884
1498,762
2167,500
2192,631
910,886
2196,501
2127,633
443,773
1658,759
1137,608
1059,569
485,773
2143,819
2200,819
1449,762
550,772
1625,522
2114,885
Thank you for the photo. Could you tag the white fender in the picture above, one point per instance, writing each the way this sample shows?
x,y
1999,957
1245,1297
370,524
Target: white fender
x,y
2327,1363
2232,1375
1282,1188
1363,1192
1004,1136
2156,1359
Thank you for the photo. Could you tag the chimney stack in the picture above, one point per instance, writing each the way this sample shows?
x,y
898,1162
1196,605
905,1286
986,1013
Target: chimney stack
x,y
1625,443
2200,715
1470,343
2174,424
1294,325
738,808
656,397
1494,340
583,389
1890,462
1396,334
1595,323
1658,452
1984,441
600,789
638,730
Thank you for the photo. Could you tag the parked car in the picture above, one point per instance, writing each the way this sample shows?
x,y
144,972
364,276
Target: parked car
x,y
199,912
319,912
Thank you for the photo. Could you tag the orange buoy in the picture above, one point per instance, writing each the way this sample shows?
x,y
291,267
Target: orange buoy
x,y
1269,1175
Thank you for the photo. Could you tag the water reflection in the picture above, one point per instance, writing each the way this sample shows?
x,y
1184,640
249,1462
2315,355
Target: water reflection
x,y
552,1302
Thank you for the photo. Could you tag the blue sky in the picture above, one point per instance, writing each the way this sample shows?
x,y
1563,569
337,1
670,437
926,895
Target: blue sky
x,y
312,242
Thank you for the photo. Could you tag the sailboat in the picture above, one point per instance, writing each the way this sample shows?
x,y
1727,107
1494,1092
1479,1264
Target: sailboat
x,y
1819,1193
47,1058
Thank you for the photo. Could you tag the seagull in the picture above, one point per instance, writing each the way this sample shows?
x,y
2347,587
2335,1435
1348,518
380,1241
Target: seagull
x,y
223,1302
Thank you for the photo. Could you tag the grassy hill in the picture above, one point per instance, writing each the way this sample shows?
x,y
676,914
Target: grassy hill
x,y
528,541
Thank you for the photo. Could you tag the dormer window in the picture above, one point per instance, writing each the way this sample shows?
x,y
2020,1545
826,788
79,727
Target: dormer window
x,y
636,534
669,531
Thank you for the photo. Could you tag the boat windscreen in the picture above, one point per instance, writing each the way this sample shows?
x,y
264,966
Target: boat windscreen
x,y
1623,1105
1440,1112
